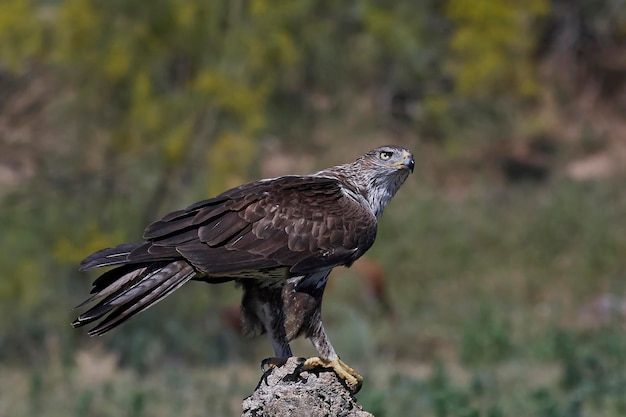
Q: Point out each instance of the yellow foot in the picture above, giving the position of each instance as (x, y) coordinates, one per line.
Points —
(343, 371)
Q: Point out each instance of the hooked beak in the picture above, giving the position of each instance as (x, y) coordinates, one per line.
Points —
(408, 161)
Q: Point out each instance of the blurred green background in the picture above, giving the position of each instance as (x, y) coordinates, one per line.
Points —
(497, 286)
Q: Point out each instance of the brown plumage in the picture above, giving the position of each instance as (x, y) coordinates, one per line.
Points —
(278, 238)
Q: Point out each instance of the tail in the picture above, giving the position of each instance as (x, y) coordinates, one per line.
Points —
(130, 288)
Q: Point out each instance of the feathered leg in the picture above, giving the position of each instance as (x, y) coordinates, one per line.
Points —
(306, 296)
(263, 312)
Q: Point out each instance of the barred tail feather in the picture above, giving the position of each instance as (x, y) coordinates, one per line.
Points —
(130, 289)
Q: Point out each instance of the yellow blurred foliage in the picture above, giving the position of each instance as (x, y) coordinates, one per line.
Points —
(21, 34)
(76, 31)
(67, 251)
(176, 141)
(229, 160)
(491, 48)
(243, 102)
(146, 109)
(119, 58)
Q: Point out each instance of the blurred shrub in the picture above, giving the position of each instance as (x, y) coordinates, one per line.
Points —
(492, 47)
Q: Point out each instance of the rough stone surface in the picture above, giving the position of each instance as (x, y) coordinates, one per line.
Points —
(288, 391)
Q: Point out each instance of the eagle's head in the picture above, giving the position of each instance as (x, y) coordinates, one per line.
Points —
(383, 171)
(390, 160)
(377, 175)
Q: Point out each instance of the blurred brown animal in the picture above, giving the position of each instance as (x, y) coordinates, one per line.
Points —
(372, 275)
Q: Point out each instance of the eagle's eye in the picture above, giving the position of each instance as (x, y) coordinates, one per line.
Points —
(385, 155)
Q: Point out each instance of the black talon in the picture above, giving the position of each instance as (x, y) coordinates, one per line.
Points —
(272, 363)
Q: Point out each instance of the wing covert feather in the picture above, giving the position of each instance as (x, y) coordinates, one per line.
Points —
(305, 223)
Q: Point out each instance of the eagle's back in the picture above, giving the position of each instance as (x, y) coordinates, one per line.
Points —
(303, 223)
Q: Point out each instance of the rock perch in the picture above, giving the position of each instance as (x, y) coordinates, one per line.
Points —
(289, 391)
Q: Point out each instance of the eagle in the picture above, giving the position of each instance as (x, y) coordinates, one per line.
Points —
(278, 239)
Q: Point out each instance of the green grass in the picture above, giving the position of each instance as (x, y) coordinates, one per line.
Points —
(93, 390)
(586, 378)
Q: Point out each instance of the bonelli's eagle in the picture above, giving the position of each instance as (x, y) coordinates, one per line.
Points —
(277, 238)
